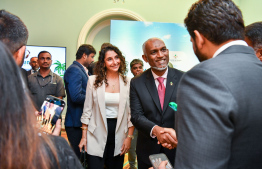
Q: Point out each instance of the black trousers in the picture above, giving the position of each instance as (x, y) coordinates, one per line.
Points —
(74, 135)
(108, 159)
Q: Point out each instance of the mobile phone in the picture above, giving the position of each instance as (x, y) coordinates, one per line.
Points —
(51, 111)
(156, 159)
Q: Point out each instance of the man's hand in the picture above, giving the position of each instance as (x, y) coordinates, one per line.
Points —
(171, 133)
(164, 137)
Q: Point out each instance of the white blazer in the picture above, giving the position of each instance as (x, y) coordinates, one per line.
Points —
(95, 117)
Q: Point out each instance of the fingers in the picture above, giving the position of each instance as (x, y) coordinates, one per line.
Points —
(169, 146)
(58, 128)
(171, 132)
(85, 146)
(162, 165)
(82, 143)
(171, 140)
(123, 149)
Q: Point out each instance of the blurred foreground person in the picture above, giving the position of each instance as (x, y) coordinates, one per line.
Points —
(107, 130)
(218, 121)
(22, 145)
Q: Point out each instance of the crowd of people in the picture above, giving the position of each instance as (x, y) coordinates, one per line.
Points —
(217, 123)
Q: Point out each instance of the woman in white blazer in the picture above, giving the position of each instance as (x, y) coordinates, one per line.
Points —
(107, 130)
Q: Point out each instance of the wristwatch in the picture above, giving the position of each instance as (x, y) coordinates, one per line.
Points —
(130, 136)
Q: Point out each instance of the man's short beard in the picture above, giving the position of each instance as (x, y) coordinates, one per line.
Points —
(160, 68)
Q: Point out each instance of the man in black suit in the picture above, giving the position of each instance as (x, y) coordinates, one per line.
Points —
(149, 98)
(34, 64)
(218, 122)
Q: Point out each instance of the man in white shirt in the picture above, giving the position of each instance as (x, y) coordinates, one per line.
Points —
(218, 122)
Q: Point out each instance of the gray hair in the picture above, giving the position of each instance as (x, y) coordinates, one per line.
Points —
(144, 44)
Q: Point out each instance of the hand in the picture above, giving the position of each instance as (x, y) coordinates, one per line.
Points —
(162, 165)
(171, 133)
(82, 143)
(163, 136)
(126, 146)
(57, 129)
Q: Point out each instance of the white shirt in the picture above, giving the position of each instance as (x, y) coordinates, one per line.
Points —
(164, 76)
(112, 104)
(224, 47)
(157, 83)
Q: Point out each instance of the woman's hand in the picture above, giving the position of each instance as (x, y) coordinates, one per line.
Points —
(82, 143)
(126, 145)
(162, 165)
(58, 127)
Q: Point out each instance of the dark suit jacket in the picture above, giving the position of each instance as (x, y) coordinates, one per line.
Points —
(219, 117)
(24, 76)
(28, 72)
(75, 79)
(146, 111)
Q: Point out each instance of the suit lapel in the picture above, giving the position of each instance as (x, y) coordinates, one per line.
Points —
(101, 102)
(151, 87)
(122, 101)
(171, 82)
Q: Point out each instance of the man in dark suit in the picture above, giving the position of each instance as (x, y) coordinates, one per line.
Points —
(34, 64)
(75, 78)
(150, 94)
(219, 116)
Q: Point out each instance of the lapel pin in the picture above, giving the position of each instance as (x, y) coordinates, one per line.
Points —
(171, 83)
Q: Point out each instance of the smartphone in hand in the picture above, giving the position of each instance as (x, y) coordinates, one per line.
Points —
(51, 111)
(156, 159)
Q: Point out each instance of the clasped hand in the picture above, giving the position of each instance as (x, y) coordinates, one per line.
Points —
(166, 137)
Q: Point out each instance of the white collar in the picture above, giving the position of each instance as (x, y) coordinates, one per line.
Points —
(224, 47)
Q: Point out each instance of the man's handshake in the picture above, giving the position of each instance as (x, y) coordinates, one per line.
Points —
(165, 136)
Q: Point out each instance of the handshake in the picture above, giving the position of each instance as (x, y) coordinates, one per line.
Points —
(165, 136)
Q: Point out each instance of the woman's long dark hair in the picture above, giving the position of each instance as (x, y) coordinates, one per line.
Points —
(20, 143)
(100, 69)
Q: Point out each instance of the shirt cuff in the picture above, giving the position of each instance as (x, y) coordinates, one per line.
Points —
(151, 132)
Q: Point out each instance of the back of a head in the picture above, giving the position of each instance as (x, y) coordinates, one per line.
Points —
(254, 33)
(19, 138)
(85, 48)
(218, 20)
(13, 32)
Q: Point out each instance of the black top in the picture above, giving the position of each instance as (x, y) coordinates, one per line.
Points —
(66, 156)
